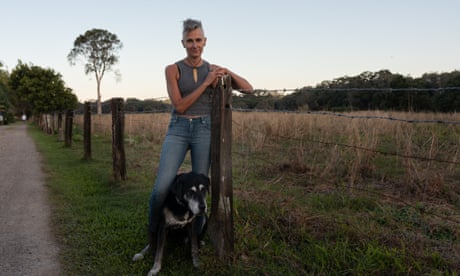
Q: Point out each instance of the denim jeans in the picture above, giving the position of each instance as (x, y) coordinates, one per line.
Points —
(183, 134)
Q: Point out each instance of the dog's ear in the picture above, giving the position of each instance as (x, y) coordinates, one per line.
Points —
(177, 185)
(206, 182)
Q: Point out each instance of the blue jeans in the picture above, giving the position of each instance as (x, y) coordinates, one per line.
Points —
(183, 134)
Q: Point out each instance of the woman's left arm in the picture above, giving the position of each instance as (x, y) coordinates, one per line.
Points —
(238, 83)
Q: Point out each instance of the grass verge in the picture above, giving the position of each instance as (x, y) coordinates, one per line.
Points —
(283, 225)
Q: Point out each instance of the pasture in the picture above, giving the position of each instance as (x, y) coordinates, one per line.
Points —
(366, 193)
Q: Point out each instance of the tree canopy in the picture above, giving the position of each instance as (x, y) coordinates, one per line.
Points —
(99, 50)
(40, 90)
(6, 108)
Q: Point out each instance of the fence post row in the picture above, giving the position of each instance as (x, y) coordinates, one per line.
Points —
(221, 219)
(118, 148)
(87, 131)
(60, 128)
(68, 128)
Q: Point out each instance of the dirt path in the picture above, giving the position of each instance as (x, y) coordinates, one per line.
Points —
(27, 246)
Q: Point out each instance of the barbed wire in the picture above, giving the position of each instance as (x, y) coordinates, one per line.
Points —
(317, 89)
(452, 218)
(380, 194)
(352, 89)
(396, 154)
(327, 113)
(323, 113)
(328, 143)
(350, 116)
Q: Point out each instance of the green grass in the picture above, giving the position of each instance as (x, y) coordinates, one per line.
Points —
(283, 224)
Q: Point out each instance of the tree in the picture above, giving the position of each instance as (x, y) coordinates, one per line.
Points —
(40, 90)
(99, 48)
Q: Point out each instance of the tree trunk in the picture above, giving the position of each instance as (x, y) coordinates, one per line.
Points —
(99, 104)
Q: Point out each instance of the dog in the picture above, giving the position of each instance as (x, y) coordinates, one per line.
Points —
(184, 208)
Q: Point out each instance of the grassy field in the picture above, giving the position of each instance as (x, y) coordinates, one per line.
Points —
(314, 194)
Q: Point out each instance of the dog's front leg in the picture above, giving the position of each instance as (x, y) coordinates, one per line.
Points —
(193, 238)
(160, 243)
(140, 255)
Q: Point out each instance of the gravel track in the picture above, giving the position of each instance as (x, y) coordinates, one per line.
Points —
(27, 245)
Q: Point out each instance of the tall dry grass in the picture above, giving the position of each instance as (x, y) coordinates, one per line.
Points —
(358, 151)
(331, 181)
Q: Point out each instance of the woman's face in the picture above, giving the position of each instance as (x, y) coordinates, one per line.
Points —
(194, 42)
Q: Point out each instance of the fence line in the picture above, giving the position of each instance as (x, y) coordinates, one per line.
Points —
(354, 187)
(286, 91)
(421, 158)
(331, 89)
(326, 113)
(409, 121)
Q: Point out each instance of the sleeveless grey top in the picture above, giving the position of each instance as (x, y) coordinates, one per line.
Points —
(187, 85)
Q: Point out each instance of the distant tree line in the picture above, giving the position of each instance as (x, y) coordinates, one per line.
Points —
(380, 90)
(30, 89)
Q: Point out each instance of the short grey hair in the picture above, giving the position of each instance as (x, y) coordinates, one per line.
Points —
(190, 25)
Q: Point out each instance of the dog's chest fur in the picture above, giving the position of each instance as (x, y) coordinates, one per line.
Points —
(175, 220)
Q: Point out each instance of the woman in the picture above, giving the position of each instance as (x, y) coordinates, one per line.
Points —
(189, 83)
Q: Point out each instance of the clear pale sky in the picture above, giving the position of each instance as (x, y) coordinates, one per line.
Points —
(274, 44)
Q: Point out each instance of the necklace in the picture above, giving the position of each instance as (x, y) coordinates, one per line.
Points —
(194, 70)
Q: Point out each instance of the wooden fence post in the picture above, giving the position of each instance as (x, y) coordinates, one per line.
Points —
(87, 131)
(221, 219)
(60, 129)
(68, 128)
(118, 148)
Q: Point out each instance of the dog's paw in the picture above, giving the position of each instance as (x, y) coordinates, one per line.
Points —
(138, 257)
(196, 262)
(154, 271)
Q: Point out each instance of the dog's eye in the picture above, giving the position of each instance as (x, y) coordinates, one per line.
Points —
(202, 187)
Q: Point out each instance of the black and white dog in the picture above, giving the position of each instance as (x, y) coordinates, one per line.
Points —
(184, 207)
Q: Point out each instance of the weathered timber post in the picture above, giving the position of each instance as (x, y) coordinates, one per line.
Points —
(87, 131)
(47, 123)
(51, 124)
(118, 147)
(68, 128)
(60, 129)
(221, 219)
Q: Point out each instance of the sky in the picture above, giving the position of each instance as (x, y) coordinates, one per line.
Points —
(274, 44)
